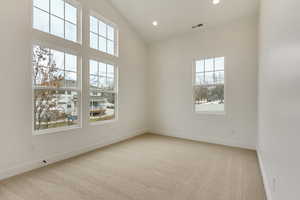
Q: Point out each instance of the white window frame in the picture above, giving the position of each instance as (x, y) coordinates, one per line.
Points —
(78, 24)
(116, 34)
(78, 89)
(50, 41)
(116, 91)
(213, 113)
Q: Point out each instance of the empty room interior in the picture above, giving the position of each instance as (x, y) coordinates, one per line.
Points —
(150, 100)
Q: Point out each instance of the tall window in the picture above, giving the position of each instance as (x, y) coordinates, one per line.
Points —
(56, 88)
(57, 17)
(209, 85)
(103, 91)
(103, 36)
(56, 75)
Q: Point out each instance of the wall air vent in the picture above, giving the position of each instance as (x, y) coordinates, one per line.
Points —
(198, 26)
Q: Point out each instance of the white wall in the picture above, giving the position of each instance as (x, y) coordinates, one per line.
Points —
(19, 149)
(170, 84)
(279, 97)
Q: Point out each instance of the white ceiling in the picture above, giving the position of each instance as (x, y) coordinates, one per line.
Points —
(178, 16)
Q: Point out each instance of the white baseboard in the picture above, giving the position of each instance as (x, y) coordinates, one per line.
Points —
(264, 175)
(31, 165)
(204, 139)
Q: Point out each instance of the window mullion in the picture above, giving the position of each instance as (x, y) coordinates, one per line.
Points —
(49, 16)
(98, 39)
(204, 73)
(106, 81)
(214, 70)
(65, 19)
(98, 76)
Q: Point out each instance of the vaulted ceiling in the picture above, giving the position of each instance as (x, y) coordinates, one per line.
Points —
(176, 17)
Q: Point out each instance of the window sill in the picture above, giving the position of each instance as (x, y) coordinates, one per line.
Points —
(55, 130)
(211, 113)
(102, 123)
(105, 54)
(39, 33)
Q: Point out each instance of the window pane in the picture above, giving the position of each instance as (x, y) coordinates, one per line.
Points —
(102, 28)
(40, 20)
(57, 8)
(46, 73)
(71, 13)
(71, 63)
(42, 4)
(209, 98)
(102, 106)
(110, 71)
(94, 67)
(57, 26)
(209, 78)
(71, 79)
(200, 66)
(219, 77)
(41, 76)
(102, 82)
(110, 33)
(110, 47)
(110, 77)
(219, 63)
(41, 56)
(57, 79)
(93, 81)
(38, 78)
(71, 32)
(58, 59)
(93, 24)
(110, 84)
(93, 41)
(102, 44)
(199, 78)
(63, 108)
(102, 69)
(209, 64)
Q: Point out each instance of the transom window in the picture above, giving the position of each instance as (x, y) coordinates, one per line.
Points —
(209, 85)
(57, 17)
(103, 91)
(56, 89)
(103, 36)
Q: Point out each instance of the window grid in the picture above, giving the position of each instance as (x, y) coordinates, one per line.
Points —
(64, 71)
(107, 77)
(106, 38)
(65, 21)
(63, 99)
(205, 72)
(108, 88)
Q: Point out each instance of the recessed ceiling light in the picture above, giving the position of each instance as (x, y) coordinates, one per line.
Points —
(215, 2)
(155, 23)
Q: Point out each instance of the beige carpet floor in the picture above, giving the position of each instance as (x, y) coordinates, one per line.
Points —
(148, 167)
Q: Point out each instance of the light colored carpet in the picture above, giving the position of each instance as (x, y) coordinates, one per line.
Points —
(148, 167)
